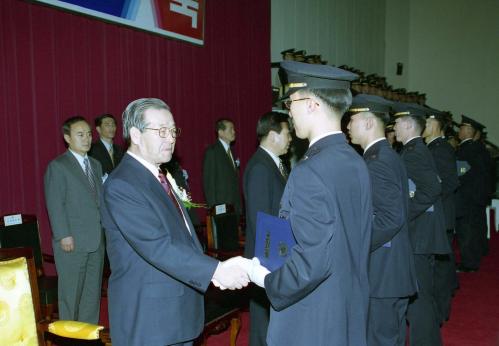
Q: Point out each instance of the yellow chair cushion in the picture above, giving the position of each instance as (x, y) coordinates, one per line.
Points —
(17, 314)
(75, 330)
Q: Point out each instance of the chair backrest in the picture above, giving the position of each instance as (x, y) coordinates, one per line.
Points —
(23, 235)
(19, 298)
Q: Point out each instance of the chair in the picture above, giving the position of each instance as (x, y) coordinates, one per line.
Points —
(27, 235)
(223, 236)
(20, 313)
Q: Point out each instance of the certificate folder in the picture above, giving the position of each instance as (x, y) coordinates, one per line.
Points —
(274, 240)
(462, 167)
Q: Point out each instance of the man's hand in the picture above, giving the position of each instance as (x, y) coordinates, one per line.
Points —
(232, 274)
(67, 244)
(258, 272)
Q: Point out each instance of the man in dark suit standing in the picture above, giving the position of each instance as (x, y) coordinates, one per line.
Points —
(392, 275)
(470, 198)
(320, 295)
(104, 150)
(220, 169)
(158, 269)
(73, 186)
(426, 223)
(445, 160)
(221, 184)
(264, 180)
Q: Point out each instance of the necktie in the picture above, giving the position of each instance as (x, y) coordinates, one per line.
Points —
(283, 170)
(89, 174)
(166, 186)
(111, 155)
(231, 158)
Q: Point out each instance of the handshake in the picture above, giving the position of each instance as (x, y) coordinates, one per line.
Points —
(237, 272)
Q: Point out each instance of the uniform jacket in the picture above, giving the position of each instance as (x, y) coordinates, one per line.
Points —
(426, 214)
(391, 268)
(470, 192)
(445, 160)
(158, 270)
(320, 295)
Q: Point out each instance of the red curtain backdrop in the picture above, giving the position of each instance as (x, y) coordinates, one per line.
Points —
(56, 64)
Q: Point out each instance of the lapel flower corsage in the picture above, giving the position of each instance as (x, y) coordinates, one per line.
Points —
(237, 162)
(182, 193)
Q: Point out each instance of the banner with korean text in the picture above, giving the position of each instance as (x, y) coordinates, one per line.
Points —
(179, 19)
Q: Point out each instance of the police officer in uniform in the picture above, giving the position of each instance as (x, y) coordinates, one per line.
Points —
(426, 222)
(470, 196)
(488, 186)
(320, 296)
(445, 160)
(392, 275)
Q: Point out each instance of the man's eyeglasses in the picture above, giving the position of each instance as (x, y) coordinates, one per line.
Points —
(288, 103)
(164, 131)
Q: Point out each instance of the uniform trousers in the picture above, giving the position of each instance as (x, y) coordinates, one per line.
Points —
(424, 329)
(468, 237)
(386, 325)
(445, 281)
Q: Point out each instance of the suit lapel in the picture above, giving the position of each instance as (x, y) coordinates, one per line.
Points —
(155, 188)
(74, 166)
(221, 148)
(269, 161)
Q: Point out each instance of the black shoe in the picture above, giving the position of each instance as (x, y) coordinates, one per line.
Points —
(463, 269)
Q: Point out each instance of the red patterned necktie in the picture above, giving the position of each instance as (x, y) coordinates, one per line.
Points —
(166, 186)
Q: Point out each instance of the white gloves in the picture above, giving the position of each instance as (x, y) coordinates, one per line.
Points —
(236, 272)
(258, 273)
(232, 274)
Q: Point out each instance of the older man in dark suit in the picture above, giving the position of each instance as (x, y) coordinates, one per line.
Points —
(264, 181)
(392, 275)
(320, 295)
(104, 149)
(158, 269)
(426, 222)
(73, 186)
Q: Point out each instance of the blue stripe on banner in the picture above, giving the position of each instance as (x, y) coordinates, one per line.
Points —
(119, 8)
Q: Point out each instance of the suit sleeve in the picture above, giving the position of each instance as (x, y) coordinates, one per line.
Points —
(387, 201)
(313, 225)
(428, 188)
(55, 184)
(139, 224)
(258, 182)
(209, 181)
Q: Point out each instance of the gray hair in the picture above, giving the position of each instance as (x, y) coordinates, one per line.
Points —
(133, 116)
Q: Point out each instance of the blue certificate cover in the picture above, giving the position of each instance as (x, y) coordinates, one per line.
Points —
(462, 167)
(274, 240)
